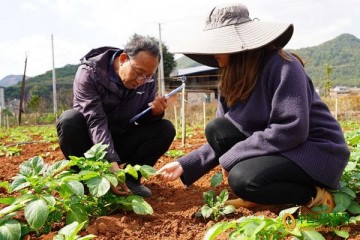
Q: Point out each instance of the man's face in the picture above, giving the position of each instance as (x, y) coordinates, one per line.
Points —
(138, 70)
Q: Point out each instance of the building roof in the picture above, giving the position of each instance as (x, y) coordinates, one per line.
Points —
(191, 70)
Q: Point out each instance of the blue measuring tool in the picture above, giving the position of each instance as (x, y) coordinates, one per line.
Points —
(137, 116)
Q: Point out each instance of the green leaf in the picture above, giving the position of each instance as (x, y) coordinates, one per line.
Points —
(35, 164)
(288, 210)
(7, 200)
(147, 171)
(7, 217)
(355, 219)
(36, 213)
(354, 208)
(10, 209)
(208, 197)
(343, 234)
(98, 186)
(19, 182)
(349, 191)
(261, 226)
(96, 152)
(11, 230)
(50, 200)
(223, 196)
(77, 213)
(76, 187)
(131, 171)
(342, 201)
(112, 179)
(228, 209)
(89, 236)
(86, 175)
(217, 229)
(69, 231)
(216, 179)
(250, 228)
(312, 235)
(57, 167)
(350, 166)
(121, 176)
(140, 206)
(206, 211)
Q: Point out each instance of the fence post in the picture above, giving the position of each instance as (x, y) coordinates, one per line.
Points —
(336, 108)
(175, 119)
(204, 110)
(183, 127)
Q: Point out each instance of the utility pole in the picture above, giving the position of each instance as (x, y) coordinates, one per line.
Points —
(161, 81)
(22, 94)
(54, 78)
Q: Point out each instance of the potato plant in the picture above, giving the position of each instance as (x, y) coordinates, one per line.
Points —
(50, 193)
(69, 232)
(214, 206)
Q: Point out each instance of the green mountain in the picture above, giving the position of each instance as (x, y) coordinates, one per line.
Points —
(10, 80)
(341, 55)
(41, 85)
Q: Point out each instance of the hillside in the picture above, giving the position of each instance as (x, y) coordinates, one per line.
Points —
(10, 80)
(41, 85)
(342, 54)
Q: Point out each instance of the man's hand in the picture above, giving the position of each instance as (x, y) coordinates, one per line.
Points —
(170, 171)
(158, 106)
(121, 189)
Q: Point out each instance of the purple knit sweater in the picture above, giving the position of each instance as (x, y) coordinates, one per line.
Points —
(284, 115)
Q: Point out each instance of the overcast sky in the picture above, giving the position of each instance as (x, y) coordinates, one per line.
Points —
(79, 25)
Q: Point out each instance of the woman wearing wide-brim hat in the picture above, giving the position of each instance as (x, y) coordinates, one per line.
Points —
(273, 136)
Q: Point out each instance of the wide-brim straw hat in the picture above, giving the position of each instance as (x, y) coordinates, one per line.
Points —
(229, 29)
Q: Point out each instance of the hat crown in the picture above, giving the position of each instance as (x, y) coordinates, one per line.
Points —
(226, 15)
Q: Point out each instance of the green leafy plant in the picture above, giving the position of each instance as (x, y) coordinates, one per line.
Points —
(69, 232)
(261, 227)
(215, 206)
(345, 197)
(49, 193)
(175, 153)
(9, 151)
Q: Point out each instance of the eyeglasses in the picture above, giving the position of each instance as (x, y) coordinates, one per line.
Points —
(141, 77)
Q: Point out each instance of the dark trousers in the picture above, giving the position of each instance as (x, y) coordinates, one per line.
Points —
(272, 179)
(140, 144)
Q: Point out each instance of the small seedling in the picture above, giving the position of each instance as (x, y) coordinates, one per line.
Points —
(214, 206)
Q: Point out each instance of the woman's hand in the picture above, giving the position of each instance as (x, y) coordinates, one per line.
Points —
(170, 171)
(158, 106)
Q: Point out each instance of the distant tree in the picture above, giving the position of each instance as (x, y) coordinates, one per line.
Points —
(328, 70)
(33, 103)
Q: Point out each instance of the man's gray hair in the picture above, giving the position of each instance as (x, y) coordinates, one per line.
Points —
(140, 43)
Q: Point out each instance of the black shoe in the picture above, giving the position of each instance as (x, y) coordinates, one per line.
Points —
(137, 188)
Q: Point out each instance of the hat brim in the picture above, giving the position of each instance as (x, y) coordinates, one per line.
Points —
(233, 39)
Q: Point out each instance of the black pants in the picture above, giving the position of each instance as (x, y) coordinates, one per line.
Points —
(272, 179)
(139, 144)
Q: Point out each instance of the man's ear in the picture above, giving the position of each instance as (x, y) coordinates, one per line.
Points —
(123, 57)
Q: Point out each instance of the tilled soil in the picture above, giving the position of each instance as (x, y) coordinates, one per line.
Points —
(174, 205)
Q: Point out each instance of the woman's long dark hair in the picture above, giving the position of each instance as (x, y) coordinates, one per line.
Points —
(238, 79)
